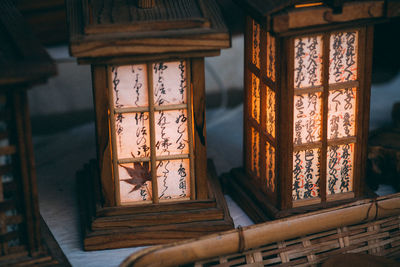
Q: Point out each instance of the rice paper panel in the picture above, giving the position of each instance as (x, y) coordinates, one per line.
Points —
(340, 160)
(171, 132)
(130, 86)
(169, 83)
(135, 182)
(255, 98)
(270, 167)
(270, 118)
(132, 135)
(173, 178)
(271, 57)
(306, 174)
(255, 152)
(308, 61)
(307, 118)
(342, 113)
(343, 65)
(256, 44)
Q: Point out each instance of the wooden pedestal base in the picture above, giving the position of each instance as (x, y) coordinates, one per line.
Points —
(129, 226)
(49, 255)
(256, 204)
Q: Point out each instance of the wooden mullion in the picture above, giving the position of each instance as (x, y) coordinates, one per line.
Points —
(306, 90)
(253, 123)
(130, 110)
(286, 106)
(153, 152)
(24, 173)
(132, 160)
(365, 52)
(113, 138)
(342, 141)
(247, 94)
(199, 126)
(324, 136)
(189, 105)
(263, 112)
(171, 107)
(262, 75)
(345, 85)
(307, 146)
(269, 138)
(172, 157)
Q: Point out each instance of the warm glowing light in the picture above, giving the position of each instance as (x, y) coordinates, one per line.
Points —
(308, 5)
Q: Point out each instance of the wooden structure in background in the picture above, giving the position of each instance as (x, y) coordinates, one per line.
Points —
(150, 183)
(306, 114)
(369, 226)
(24, 237)
(46, 19)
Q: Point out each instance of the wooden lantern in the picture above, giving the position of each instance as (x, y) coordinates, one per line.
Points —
(306, 111)
(150, 184)
(25, 239)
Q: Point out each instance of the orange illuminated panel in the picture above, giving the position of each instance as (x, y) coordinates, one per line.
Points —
(255, 97)
(255, 43)
(340, 168)
(255, 152)
(270, 166)
(173, 179)
(306, 174)
(129, 86)
(135, 182)
(132, 135)
(169, 83)
(308, 61)
(271, 57)
(341, 113)
(343, 55)
(307, 118)
(171, 132)
(270, 118)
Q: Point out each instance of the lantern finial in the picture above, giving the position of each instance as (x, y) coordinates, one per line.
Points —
(146, 3)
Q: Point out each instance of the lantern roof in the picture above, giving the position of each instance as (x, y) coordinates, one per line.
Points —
(284, 15)
(22, 58)
(106, 28)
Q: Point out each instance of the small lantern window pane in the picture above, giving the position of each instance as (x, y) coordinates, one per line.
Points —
(171, 132)
(135, 182)
(343, 56)
(169, 83)
(173, 178)
(130, 86)
(133, 135)
(256, 44)
(341, 113)
(340, 168)
(270, 118)
(255, 98)
(255, 152)
(306, 174)
(270, 166)
(308, 61)
(271, 57)
(307, 118)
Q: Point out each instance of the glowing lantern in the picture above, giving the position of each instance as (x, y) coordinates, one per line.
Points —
(147, 62)
(307, 83)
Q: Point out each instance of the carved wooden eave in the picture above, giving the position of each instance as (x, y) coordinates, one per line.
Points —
(105, 28)
(283, 17)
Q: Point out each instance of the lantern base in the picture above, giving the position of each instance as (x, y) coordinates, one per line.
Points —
(50, 253)
(256, 204)
(131, 226)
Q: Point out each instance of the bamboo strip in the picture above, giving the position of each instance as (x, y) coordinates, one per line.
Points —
(274, 231)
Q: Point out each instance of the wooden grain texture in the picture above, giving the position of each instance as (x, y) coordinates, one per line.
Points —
(146, 3)
(304, 239)
(199, 126)
(131, 43)
(22, 59)
(107, 16)
(152, 225)
(101, 106)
